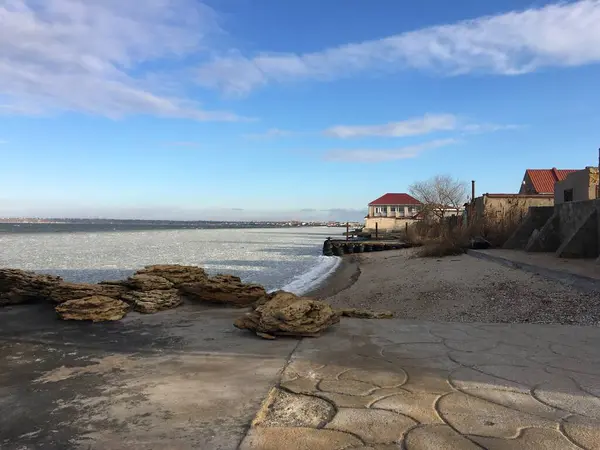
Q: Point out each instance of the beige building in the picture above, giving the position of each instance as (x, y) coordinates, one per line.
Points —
(392, 212)
(577, 186)
(508, 206)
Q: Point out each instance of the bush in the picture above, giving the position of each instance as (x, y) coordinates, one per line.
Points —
(449, 237)
(452, 242)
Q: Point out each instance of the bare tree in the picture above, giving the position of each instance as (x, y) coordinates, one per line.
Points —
(440, 194)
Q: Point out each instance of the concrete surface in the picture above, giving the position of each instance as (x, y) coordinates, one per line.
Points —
(182, 379)
(186, 379)
(393, 384)
(581, 273)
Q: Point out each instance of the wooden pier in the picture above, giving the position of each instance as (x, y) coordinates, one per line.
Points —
(338, 247)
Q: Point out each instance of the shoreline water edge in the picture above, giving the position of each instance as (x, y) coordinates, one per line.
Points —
(345, 274)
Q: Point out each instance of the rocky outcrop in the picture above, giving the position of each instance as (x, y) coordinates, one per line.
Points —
(150, 302)
(96, 309)
(19, 286)
(364, 313)
(289, 315)
(224, 290)
(175, 273)
(66, 291)
(143, 283)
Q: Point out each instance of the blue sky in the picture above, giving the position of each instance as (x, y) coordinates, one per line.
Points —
(290, 109)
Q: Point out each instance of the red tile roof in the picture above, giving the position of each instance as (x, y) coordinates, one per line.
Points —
(395, 199)
(543, 180)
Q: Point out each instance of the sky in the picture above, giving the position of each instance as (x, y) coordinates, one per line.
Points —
(270, 109)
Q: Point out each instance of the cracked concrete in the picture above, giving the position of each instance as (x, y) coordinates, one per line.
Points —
(188, 380)
(417, 385)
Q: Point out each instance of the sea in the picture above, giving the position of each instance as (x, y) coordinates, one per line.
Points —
(277, 258)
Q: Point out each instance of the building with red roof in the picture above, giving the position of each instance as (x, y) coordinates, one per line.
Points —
(392, 211)
(542, 181)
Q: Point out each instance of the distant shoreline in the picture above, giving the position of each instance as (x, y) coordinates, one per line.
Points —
(25, 228)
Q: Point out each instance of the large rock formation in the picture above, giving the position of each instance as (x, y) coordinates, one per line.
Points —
(18, 286)
(150, 302)
(150, 292)
(175, 273)
(66, 291)
(96, 309)
(144, 282)
(225, 290)
(289, 315)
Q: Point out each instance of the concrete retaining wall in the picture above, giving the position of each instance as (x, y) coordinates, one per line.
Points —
(534, 220)
(572, 231)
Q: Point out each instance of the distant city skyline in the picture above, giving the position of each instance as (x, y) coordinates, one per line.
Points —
(285, 110)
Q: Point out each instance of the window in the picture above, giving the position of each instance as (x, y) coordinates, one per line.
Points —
(568, 195)
(393, 209)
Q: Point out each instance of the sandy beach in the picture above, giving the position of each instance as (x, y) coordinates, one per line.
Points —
(455, 289)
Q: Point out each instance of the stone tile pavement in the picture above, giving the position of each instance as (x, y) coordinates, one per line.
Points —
(394, 384)
(186, 379)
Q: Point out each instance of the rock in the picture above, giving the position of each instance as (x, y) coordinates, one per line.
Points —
(66, 291)
(19, 286)
(143, 282)
(479, 243)
(288, 314)
(150, 302)
(364, 313)
(224, 289)
(268, 298)
(96, 308)
(175, 273)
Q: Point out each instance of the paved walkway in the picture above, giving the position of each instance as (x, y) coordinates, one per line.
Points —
(392, 384)
(186, 379)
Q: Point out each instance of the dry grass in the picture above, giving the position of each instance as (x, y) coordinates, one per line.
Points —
(452, 242)
(448, 238)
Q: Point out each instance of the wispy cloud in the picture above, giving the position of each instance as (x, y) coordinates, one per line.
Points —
(411, 127)
(558, 35)
(376, 155)
(270, 133)
(78, 55)
(479, 128)
(416, 126)
(2, 142)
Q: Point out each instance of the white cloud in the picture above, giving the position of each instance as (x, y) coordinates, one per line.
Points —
(478, 128)
(411, 127)
(375, 155)
(559, 35)
(270, 133)
(429, 123)
(89, 56)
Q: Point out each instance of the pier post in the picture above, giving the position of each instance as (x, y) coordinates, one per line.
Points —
(376, 230)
